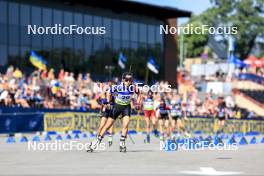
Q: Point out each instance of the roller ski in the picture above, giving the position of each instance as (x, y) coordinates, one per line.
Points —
(110, 140)
(122, 146)
(161, 138)
(93, 146)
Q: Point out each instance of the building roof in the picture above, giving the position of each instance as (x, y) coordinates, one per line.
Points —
(120, 6)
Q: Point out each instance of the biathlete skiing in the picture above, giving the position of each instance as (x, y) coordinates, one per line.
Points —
(149, 114)
(164, 116)
(178, 116)
(124, 92)
(106, 112)
(221, 110)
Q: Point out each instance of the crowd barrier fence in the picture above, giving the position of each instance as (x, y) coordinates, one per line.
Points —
(89, 121)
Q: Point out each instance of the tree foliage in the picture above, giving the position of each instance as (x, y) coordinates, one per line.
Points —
(246, 15)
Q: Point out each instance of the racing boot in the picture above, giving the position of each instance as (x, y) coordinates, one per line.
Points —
(93, 146)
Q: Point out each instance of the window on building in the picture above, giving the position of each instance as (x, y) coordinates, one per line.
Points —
(68, 20)
(13, 16)
(3, 55)
(13, 13)
(125, 30)
(3, 21)
(78, 39)
(116, 29)
(24, 22)
(47, 21)
(25, 15)
(134, 31)
(108, 27)
(36, 20)
(151, 34)
(88, 39)
(3, 12)
(57, 39)
(159, 37)
(98, 39)
(143, 33)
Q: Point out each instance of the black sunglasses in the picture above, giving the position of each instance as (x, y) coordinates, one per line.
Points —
(128, 80)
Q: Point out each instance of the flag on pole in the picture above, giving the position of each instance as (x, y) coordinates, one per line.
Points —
(152, 65)
(237, 62)
(231, 44)
(122, 61)
(37, 61)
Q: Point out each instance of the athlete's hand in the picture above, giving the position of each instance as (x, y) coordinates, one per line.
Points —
(108, 106)
(137, 107)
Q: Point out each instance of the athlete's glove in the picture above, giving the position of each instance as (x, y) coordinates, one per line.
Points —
(137, 106)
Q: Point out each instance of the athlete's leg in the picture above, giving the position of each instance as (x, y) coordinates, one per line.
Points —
(107, 126)
(173, 122)
(180, 126)
(183, 129)
(125, 123)
(147, 120)
(147, 125)
(161, 129)
(100, 136)
(167, 126)
(154, 123)
(221, 125)
(110, 136)
(102, 123)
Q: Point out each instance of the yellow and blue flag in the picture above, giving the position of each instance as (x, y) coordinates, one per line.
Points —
(37, 61)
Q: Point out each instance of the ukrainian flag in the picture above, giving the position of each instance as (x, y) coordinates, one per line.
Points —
(37, 61)
(55, 86)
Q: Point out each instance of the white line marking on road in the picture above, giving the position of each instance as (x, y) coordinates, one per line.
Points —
(210, 171)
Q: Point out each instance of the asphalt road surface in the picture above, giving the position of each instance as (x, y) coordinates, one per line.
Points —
(140, 159)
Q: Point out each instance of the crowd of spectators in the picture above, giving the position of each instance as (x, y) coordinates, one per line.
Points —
(45, 89)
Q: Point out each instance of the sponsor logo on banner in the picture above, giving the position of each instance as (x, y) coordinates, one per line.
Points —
(66, 121)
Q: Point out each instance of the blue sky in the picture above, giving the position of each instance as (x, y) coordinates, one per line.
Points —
(195, 6)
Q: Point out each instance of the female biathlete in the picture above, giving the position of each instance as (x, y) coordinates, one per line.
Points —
(177, 116)
(164, 116)
(149, 114)
(221, 114)
(106, 112)
(124, 92)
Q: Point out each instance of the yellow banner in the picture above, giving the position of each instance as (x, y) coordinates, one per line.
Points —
(90, 121)
(69, 121)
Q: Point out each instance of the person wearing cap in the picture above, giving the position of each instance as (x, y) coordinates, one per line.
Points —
(124, 92)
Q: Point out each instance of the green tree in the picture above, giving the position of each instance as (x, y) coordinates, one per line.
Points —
(246, 15)
(195, 43)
